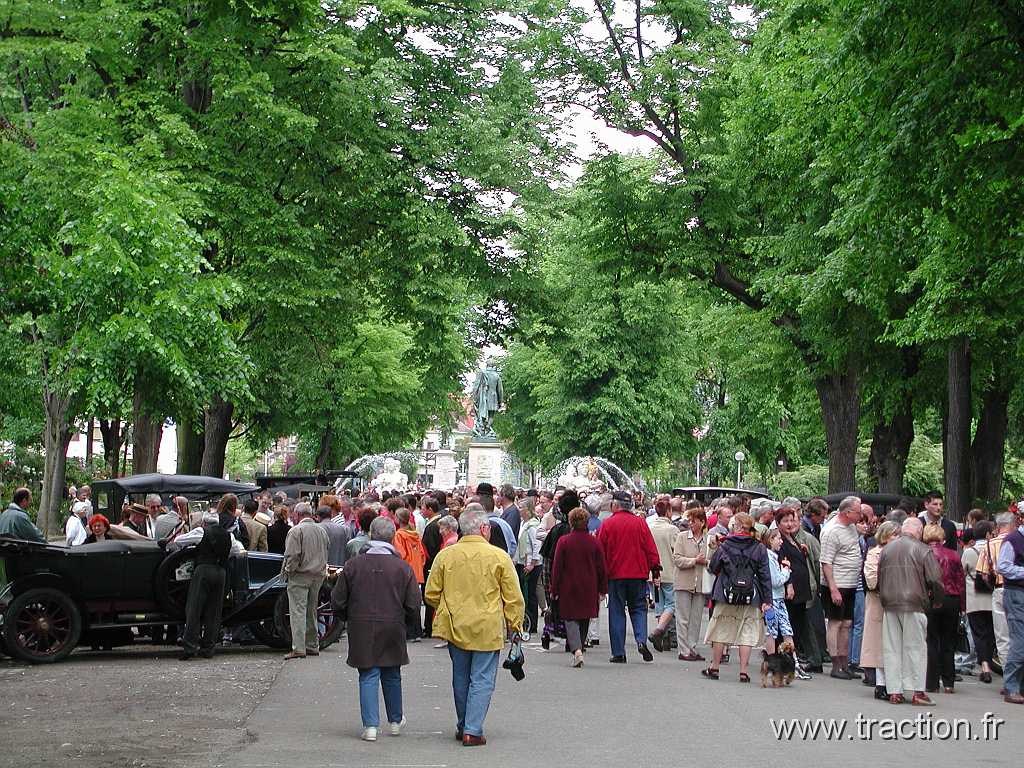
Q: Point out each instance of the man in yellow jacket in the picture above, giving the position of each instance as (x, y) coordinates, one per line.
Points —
(475, 592)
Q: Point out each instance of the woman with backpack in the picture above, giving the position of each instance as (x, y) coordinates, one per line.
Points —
(979, 597)
(742, 593)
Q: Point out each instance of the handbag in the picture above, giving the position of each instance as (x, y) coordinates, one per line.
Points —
(963, 642)
(986, 582)
(516, 658)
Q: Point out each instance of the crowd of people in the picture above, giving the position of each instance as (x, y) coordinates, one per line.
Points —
(907, 602)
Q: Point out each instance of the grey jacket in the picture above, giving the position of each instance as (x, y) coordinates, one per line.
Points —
(305, 551)
(15, 523)
(909, 578)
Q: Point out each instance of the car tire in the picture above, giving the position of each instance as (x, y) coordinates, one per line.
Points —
(266, 633)
(329, 626)
(171, 594)
(42, 626)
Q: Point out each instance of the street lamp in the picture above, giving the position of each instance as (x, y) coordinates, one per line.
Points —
(740, 458)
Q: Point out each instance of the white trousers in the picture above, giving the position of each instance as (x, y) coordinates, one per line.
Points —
(1002, 629)
(904, 651)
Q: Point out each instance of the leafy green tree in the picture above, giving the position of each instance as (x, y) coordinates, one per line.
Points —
(101, 270)
(606, 371)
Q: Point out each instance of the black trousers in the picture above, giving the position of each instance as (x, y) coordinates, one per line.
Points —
(203, 608)
(428, 610)
(804, 637)
(816, 618)
(943, 625)
(984, 634)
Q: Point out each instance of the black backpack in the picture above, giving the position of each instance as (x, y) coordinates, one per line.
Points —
(739, 580)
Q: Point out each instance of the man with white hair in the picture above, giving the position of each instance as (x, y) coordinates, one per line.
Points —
(475, 593)
(378, 596)
(154, 508)
(1005, 523)
(304, 568)
(1010, 566)
(909, 584)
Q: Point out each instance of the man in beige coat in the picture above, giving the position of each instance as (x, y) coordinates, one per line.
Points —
(664, 532)
(304, 568)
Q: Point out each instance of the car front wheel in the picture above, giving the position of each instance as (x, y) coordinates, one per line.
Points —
(42, 625)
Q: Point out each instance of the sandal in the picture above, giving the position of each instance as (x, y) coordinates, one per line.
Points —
(744, 677)
(709, 673)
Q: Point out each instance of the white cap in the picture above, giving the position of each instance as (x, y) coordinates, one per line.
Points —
(81, 508)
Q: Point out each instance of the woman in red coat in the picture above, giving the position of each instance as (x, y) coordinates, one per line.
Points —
(578, 581)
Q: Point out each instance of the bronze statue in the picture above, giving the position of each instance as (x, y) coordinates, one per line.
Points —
(488, 397)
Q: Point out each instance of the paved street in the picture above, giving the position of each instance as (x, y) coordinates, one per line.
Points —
(248, 709)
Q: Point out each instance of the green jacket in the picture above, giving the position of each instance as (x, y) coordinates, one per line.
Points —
(813, 556)
(15, 523)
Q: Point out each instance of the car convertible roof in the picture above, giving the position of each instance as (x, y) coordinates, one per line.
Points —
(190, 486)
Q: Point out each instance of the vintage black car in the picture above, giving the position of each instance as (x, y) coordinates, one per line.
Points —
(107, 495)
(55, 598)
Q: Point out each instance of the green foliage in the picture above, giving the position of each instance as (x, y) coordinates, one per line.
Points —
(606, 371)
(808, 480)
(241, 461)
(924, 467)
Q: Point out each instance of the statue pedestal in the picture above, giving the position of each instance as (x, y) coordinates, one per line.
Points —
(485, 460)
(445, 469)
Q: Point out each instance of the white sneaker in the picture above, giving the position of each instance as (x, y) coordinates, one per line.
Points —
(396, 728)
(369, 734)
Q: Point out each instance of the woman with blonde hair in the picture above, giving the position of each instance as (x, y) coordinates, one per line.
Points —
(871, 642)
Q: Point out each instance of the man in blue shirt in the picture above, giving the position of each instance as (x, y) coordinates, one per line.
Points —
(511, 545)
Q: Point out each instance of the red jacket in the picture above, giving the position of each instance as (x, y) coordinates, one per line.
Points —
(628, 547)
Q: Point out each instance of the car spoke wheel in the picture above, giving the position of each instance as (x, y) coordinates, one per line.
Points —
(328, 626)
(42, 625)
(172, 592)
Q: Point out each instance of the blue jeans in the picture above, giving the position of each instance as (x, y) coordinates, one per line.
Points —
(623, 595)
(666, 600)
(390, 681)
(1013, 667)
(857, 630)
(473, 676)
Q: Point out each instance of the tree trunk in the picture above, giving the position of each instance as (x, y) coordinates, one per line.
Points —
(56, 438)
(147, 430)
(890, 447)
(957, 445)
(110, 429)
(323, 455)
(217, 432)
(839, 395)
(90, 429)
(190, 447)
(989, 447)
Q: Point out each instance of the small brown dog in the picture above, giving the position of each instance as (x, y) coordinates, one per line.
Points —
(780, 665)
